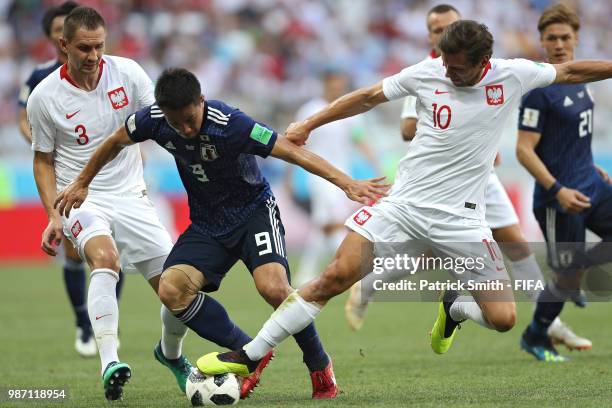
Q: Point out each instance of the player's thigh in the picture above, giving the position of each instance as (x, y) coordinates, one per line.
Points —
(92, 220)
(565, 236)
(139, 234)
(599, 218)
(469, 243)
(205, 254)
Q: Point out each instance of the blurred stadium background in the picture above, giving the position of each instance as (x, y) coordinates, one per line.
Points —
(265, 56)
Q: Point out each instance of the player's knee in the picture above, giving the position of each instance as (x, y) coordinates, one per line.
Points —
(104, 258)
(275, 292)
(176, 289)
(504, 319)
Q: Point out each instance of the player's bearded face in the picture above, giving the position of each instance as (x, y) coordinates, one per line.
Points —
(187, 121)
(85, 50)
(460, 71)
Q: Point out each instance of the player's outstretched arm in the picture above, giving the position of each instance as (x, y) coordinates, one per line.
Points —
(351, 104)
(363, 191)
(74, 194)
(579, 72)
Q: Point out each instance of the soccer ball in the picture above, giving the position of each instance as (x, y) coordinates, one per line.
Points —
(221, 389)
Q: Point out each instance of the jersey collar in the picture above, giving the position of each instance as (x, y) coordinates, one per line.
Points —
(64, 73)
(433, 54)
(484, 71)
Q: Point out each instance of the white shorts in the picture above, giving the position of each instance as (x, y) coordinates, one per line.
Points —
(388, 224)
(499, 211)
(131, 220)
(329, 204)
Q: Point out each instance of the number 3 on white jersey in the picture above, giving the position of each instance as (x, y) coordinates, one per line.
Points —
(199, 171)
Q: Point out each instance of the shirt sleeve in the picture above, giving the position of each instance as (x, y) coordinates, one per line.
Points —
(249, 136)
(531, 74)
(403, 83)
(533, 111)
(143, 85)
(139, 125)
(42, 126)
(409, 108)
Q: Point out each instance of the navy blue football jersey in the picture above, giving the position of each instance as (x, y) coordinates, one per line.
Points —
(218, 168)
(39, 73)
(563, 115)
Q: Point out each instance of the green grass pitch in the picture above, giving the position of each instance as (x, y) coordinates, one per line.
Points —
(387, 364)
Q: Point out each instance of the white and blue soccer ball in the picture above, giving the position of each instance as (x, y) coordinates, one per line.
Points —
(221, 389)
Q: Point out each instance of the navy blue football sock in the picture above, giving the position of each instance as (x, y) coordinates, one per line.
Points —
(308, 340)
(549, 306)
(119, 286)
(74, 280)
(210, 320)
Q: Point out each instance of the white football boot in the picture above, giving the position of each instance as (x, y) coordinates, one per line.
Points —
(560, 333)
(354, 310)
(85, 348)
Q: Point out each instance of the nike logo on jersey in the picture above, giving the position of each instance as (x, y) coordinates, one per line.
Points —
(438, 92)
(99, 317)
(71, 115)
(567, 102)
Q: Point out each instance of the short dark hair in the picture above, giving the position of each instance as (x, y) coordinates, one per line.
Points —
(558, 14)
(467, 36)
(56, 11)
(177, 88)
(82, 17)
(441, 9)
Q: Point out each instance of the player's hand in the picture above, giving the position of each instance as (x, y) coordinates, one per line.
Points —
(573, 201)
(52, 236)
(297, 133)
(367, 192)
(604, 174)
(71, 197)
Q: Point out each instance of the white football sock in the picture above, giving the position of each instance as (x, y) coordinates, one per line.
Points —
(173, 333)
(465, 307)
(104, 313)
(528, 269)
(292, 316)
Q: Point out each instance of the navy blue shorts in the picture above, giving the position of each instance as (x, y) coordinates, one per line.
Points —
(566, 233)
(259, 241)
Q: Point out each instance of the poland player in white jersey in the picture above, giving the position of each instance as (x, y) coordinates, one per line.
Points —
(438, 196)
(330, 206)
(71, 112)
(499, 213)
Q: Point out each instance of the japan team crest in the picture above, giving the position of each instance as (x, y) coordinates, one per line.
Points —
(495, 94)
(362, 217)
(118, 98)
(208, 152)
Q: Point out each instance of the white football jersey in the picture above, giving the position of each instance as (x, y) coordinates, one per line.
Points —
(72, 123)
(458, 131)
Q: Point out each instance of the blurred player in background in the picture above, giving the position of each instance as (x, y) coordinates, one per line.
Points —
(72, 111)
(74, 270)
(499, 212)
(571, 193)
(439, 194)
(232, 208)
(329, 205)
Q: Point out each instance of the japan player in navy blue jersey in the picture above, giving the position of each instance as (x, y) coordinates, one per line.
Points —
(233, 212)
(571, 193)
(73, 269)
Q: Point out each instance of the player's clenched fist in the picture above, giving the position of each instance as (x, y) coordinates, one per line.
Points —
(71, 197)
(297, 133)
